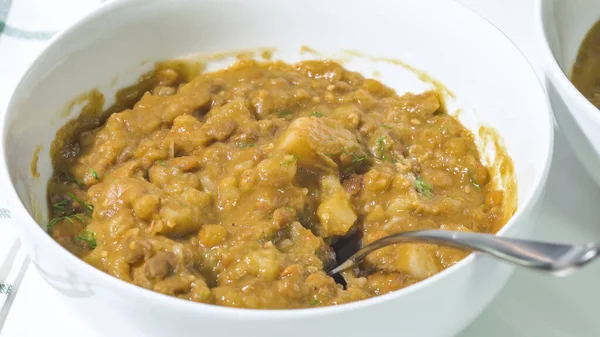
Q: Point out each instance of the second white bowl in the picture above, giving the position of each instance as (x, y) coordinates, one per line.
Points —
(562, 25)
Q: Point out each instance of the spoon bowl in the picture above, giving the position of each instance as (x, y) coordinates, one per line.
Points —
(554, 258)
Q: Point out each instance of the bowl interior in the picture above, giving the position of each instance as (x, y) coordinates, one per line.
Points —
(565, 24)
(492, 82)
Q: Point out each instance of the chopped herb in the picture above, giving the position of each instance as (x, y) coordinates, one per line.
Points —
(289, 161)
(476, 185)
(331, 138)
(423, 188)
(87, 207)
(285, 113)
(380, 147)
(357, 159)
(314, 302)
(50, 225)
(94, 173)
(61, 204)
(243, 145)
(54, 221)
(316, 114)
(387, 126)
(88, 237)
(71, 179)
(162, 163)
(78, 217)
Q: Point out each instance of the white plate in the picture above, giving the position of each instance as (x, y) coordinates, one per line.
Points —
(530, 305)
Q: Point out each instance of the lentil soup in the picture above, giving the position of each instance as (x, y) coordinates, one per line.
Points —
(585, 74)
(232, 187)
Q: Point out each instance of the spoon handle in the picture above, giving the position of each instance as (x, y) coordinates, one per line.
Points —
(559, 259)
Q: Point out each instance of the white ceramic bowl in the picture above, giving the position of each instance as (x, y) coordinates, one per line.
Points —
(562, 25)
(477, 62)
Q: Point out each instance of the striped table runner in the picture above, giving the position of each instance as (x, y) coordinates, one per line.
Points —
(25, 27)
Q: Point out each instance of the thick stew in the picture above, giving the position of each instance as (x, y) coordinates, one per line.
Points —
(233, 187)
(586, 70)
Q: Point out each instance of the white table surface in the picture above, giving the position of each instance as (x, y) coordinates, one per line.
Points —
(531, 304)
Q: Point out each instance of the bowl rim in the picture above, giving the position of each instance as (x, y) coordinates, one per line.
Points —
(118, 286)
(554, 68)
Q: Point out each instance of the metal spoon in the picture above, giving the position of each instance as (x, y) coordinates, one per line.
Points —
(554, 258)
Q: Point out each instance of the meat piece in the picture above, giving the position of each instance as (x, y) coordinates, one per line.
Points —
(135, 247)
(318, 141)
(222, 122)
(160, 265)
(353, 184)
(283, 216)
(175, 284)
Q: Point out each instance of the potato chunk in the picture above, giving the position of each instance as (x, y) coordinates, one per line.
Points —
(224, 121)
(410, 259)
(317, 141)
(335, 213)
(264, 263)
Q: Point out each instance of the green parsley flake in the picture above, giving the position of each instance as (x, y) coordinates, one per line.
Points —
(357, 159)
(316, 114)
(314, 302)
(94, 173)
(285, 113)
(53, 222)
(289, 161)
(162, 163)
(61, 204)
(387, 126)
(423, 188)
(71, 179)
(88, 237)
(381, 147)
(243, 145)
(86, 206)
(476, 185)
